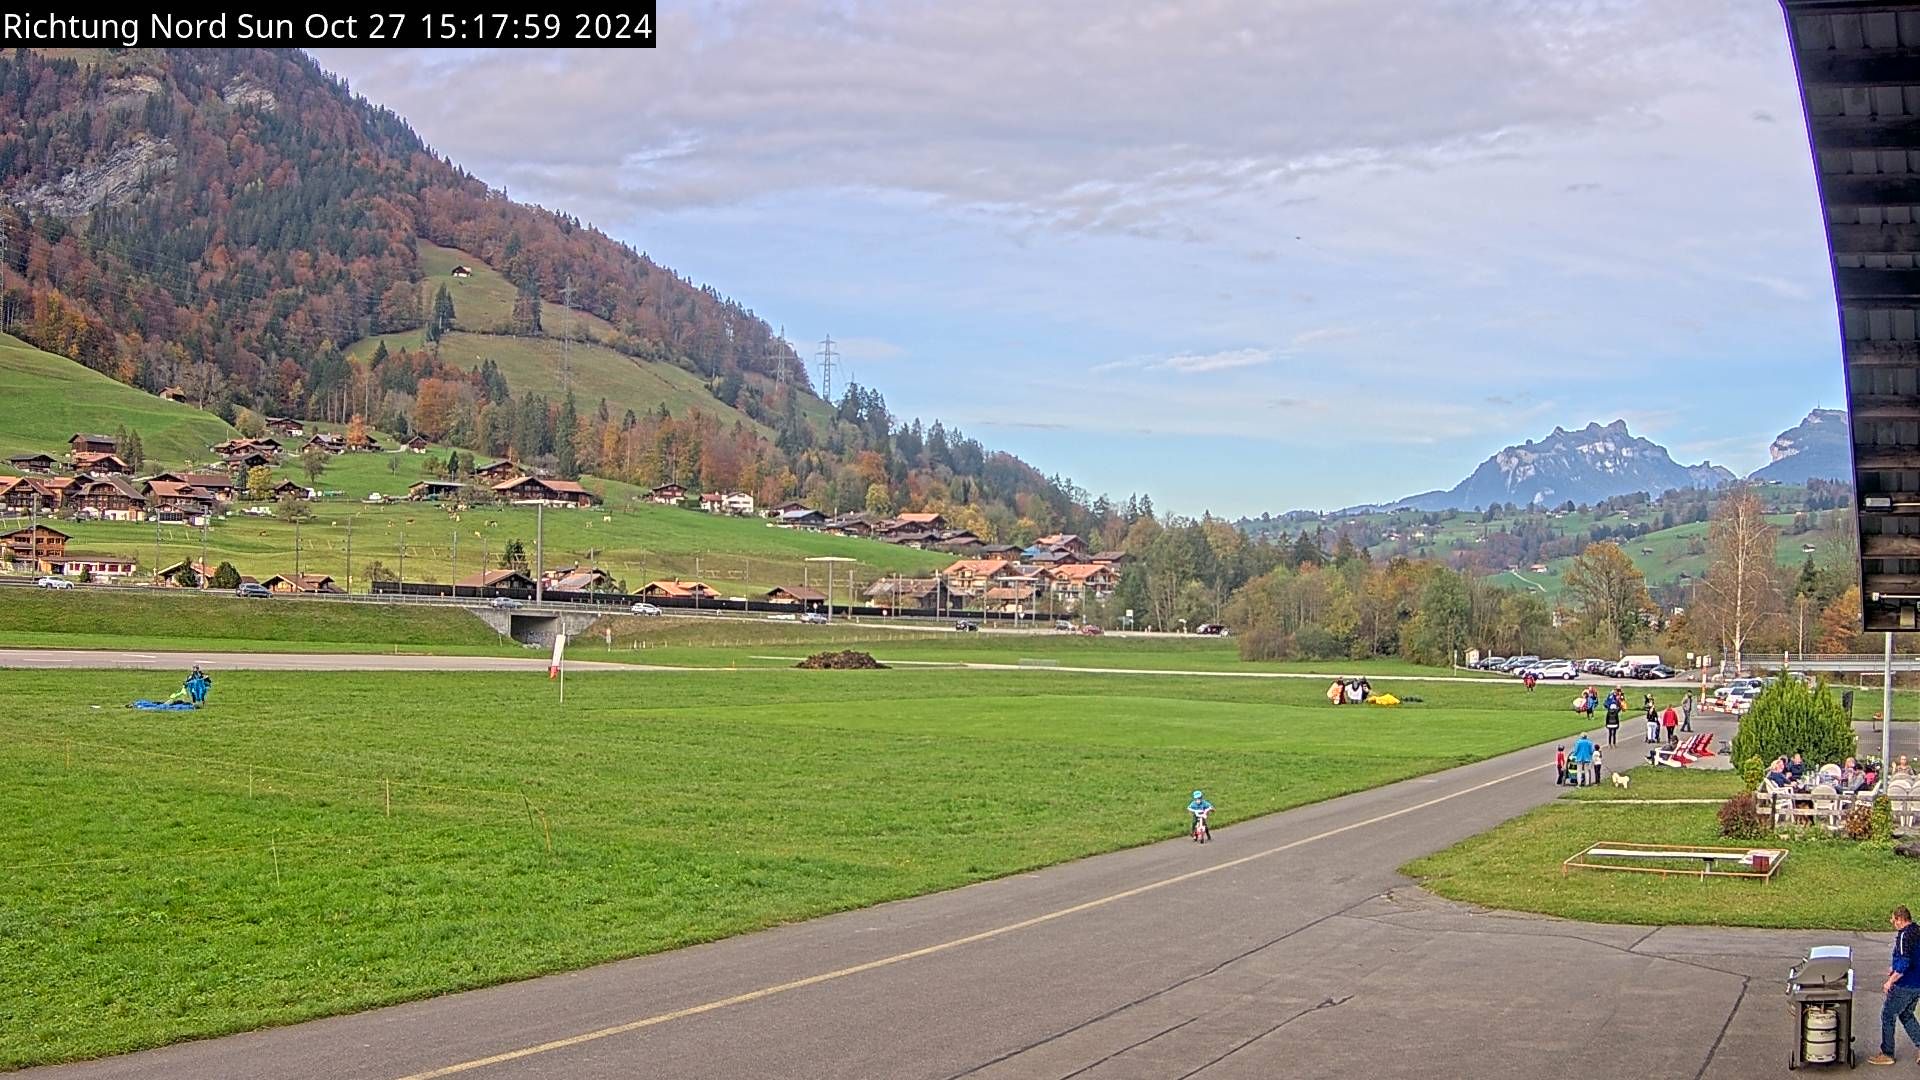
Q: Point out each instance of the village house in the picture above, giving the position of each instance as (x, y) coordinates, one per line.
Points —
(790, 504)
(738, 503)
(1081, 581)
(1067, 542)
(83, 443)
(218, 485)
(971, 577)
(291, 487)
(327, 441)
(860, 524)
(173, 500)
(235, 447)
(174, 393)
(529, 490)
(435, 490)
(462, 271)
(580, 579)
(252, 459)
(504, 469)
(88, 564)
(101, 464)
(416, 445)
(1115, 559)
(24, 548)
(25, 494)
(1016, 600)
(678, 590)
(914, 595)
(997, 551)
(801, 519)
(55, 490)
(800, 595)
(202, 573)
(491, 580)
(302, 583)
(667, 495)
(33, 463)
(286, 425)
(107, 498)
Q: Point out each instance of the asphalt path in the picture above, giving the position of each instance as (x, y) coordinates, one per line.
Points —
(108, 658)
(1288, 947)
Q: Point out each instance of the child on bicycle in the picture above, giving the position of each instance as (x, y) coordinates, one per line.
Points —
(1199, 808)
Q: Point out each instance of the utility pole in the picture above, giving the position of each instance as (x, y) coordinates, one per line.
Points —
(1886, 709)
(539, 552)
(826, 355)
(349, 556)
(566, 336)
(296, 555)
(779, 355)
(453, 564)
(402, 583)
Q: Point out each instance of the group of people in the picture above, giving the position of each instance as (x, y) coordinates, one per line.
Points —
(1673, 720)
(1350, 691)
(1849, 776)
(1581, 766)
(194, 690)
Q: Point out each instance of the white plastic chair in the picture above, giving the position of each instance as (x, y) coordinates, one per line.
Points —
(1900, 792)
(1826, 806)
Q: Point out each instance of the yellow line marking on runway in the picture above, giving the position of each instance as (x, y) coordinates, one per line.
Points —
(888, 961)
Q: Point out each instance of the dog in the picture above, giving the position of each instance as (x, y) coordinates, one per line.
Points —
(1621, 780)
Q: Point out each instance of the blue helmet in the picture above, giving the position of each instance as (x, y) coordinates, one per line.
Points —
(1197, 795)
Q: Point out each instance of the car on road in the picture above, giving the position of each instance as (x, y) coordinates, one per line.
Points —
(783, 616)
(815, 617)
(1211, 628)
(966, 624)
(644, 608)
(1090, 630)
(53, 583)
(505, 603)
(1557, 669)
(1064, 625)
(253, 590)
(1747, 687)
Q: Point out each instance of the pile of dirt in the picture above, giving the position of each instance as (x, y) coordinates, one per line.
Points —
(849, 660)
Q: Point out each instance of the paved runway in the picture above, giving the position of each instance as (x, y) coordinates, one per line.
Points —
(1289, 947)
(107, 658)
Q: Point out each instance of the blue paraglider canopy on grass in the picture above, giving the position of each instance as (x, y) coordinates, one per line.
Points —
(163, 706)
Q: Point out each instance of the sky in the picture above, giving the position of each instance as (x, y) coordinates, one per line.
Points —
(1244, 257)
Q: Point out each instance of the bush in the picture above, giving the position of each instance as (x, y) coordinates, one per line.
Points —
(1740, 818)
(1753, 770)
(1788, 718)
(1857, 823)
(225, 576)
(1313, 642)
(1266, 643)
(1881, 829)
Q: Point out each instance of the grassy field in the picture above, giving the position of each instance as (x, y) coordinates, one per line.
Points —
(178, 875)
(45, 398)
(483, 303)
(174, 621)
(1825, 882)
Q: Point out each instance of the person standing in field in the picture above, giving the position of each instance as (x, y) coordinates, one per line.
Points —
(1686, 712)
(1671, 721)
(1613, 717)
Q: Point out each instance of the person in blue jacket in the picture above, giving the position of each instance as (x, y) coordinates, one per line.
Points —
(197, 685)
(1902, 986)
(1199, 808)
(1583, 749)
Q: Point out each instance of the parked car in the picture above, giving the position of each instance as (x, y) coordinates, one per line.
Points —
(644, 608)
(1518, 664)
(783, 616)
(1557, 669)
(253, 590)
(53, 583)
(1747, 687)
(505, 603)
(1213, 628)
(1063, 624)
(1489, 663)
(966, 624)
(813, 617)
(1594, 666)
(1661, 671)
(1091, 630)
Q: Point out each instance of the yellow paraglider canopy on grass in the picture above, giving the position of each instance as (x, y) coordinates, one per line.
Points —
(1384, 699)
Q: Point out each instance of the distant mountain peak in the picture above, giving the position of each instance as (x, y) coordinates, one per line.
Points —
(1814, 449)
(1586, 465)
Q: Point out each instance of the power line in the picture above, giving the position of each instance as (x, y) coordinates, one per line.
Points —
(826, 355)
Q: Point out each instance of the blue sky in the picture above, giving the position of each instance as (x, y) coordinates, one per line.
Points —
(1242, 257)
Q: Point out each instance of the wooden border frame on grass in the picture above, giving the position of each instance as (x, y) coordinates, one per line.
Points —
(1577, 861)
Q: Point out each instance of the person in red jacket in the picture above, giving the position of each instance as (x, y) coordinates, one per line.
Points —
(1671, 721)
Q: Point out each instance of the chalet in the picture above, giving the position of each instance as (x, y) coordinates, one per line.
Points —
(667, 494)
(100, 463)
(202, 573)
(1080, 581)
(801, 519)
(218, 485)
(435, 490)
(174, 393)
(26, 494)
(268, 446)
(913, 538)
(967, 547)
(910, 594)
(496, 579)
(25, 547)
(790, 504)
(998, 551)
(364, 444)
(107, 498)
(849, 524)
(678, 590)
(56, 490)
(530, 490)
(1044, 557)
(799, 595)
(1067, 542)
(462, 271)
(80, 563)
(286, 425)
(83, 443)
(712, 502)
(928, 522)
(498, 471)
(1115, 559)
(1009, 599)
(416, 445)
(291, 487)
(325, 440)
(33, 463)
(171, 499)
(970, 577)
(738, 503)
(302, 583)
(252, 459)
(581, 579)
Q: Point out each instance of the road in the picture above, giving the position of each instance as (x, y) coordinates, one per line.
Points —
(1289, 947)
(108, 658)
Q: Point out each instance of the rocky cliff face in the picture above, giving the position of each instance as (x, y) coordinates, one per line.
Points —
(1815, 449)
(1585, 466)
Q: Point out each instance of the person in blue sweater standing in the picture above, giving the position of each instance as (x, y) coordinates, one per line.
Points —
(1902, 986)
(1583, 749)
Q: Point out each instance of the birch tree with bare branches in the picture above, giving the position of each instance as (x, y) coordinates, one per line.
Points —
(1742, 585)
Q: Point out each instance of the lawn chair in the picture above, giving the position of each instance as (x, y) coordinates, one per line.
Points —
(1705, 749)
(1682, 755)
(1901, 793)
(1780, 799)
(1826, 806)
